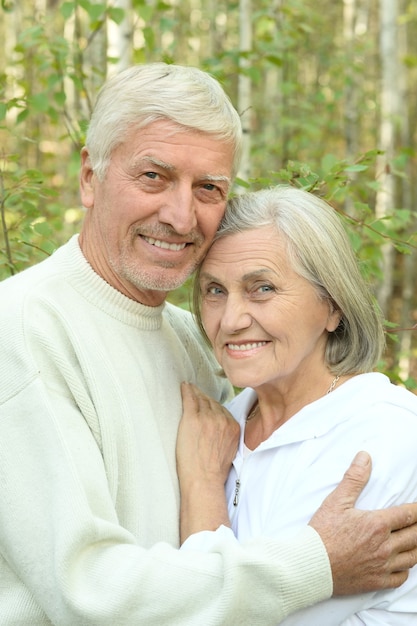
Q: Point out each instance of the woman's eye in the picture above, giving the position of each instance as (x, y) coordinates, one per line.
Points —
(211, 290)
(214, 291)
(265, 288)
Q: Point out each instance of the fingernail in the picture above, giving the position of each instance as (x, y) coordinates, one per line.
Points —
(362, 458)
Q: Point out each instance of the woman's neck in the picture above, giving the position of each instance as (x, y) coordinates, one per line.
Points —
(275, 406)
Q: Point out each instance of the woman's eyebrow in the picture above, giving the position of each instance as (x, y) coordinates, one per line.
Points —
(207, 276)
(257, 273)
(250, 275)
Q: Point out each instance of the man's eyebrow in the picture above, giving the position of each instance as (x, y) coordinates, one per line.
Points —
(218, 178)
(215, 178)
(153, 161)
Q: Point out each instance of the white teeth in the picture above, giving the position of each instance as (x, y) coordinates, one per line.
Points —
(246, 346)
(165, 244)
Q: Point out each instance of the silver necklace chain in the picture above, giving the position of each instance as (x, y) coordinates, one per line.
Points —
(333, 384)
(255, 410)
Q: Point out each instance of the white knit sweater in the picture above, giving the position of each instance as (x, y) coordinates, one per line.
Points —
(89, 408)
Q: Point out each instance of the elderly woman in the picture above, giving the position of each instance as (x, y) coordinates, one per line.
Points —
(282, 301)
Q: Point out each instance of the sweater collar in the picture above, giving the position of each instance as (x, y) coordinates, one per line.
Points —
(100, 294)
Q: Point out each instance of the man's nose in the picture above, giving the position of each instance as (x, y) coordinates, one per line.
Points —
(179, 210)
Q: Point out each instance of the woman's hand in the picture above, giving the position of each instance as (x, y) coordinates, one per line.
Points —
(207, 442)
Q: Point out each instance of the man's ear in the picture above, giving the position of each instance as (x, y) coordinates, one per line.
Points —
(86, 180)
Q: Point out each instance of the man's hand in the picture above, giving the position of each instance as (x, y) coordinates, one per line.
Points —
(368, 550)
(207, 442)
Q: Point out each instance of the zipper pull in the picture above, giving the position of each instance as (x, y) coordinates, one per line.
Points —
(237, 489)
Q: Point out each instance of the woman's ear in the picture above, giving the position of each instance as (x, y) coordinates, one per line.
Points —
(333, 321)
(86, 180)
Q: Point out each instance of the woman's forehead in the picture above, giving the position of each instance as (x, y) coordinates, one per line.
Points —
(253, 251)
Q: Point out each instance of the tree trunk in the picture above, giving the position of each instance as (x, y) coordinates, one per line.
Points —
(120, 37)
(408, 291)
(95, 56)
(389, 109)
(351, 90)
(244, 85)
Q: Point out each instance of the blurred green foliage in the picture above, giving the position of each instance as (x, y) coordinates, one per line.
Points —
(50, 81)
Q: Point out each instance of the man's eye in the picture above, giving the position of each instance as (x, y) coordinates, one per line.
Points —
(152, 175)
(210, 192)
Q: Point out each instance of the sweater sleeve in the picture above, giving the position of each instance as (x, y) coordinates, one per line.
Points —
(302, 560)
(64, 552)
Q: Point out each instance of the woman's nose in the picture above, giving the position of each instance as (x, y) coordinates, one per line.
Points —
(235, 315)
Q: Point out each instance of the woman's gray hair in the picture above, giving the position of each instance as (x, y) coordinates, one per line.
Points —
(319, 250)
(143, 94)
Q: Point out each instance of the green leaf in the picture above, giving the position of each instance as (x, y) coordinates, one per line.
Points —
(241, 183)
(67, 9)
(357, 167)
(328, 162)
(43, 228)
(40, 102)
(374, 185)
(116, 15)
(95, 11)
(7, 6)
(145, 12)
(60, 98)
(274, 59)
(149, 36)
(34, 175)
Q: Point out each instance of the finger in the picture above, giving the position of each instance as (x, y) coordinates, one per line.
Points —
(206, 405)
(190, 399)
(400, 517)
(404, 539)
(201, 401)
(404, 561)
(396, 579)
(185, 390)
(353, 482)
